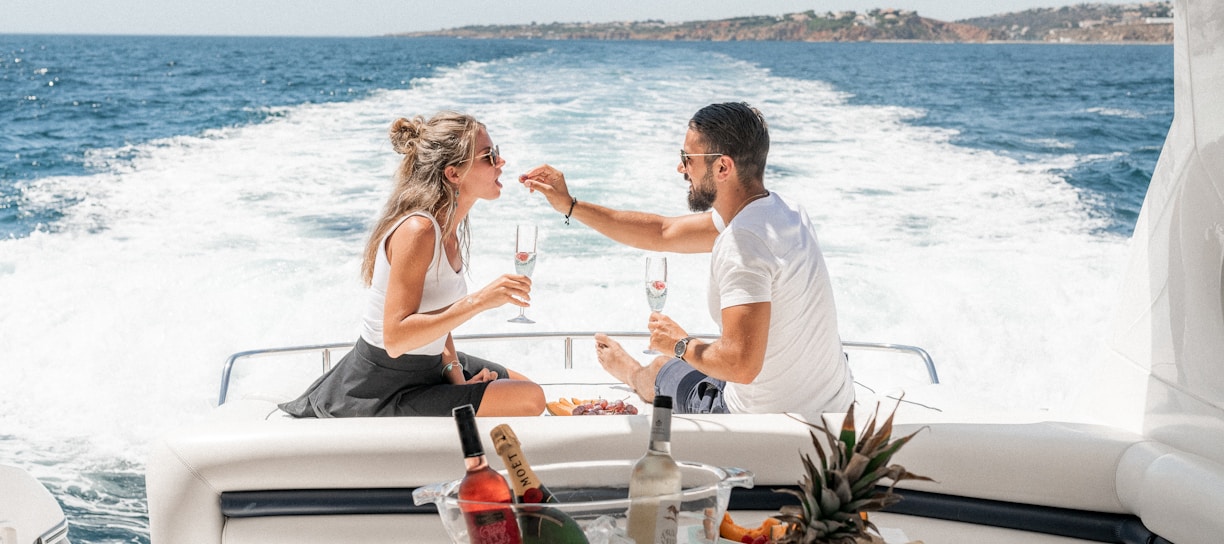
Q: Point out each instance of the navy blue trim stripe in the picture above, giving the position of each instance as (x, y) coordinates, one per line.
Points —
(1081, 524)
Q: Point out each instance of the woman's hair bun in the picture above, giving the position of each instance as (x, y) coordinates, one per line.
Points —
(405, 132)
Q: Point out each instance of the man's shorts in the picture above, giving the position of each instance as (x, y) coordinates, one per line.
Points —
(691, 391)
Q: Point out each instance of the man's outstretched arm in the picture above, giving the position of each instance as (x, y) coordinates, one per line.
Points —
(693, 233)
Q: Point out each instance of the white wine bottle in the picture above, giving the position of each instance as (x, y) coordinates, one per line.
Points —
(654, 486)
(539, 525)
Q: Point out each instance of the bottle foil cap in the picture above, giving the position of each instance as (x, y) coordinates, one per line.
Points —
(469, 435)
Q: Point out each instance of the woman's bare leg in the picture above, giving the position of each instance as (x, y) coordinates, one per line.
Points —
(515, 375)
(512, 398)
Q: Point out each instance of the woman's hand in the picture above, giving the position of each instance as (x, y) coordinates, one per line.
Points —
(550, 182)
(508, 289)
(485, 375)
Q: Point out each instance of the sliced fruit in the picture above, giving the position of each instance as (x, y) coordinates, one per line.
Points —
(769, 529)
(575, 406)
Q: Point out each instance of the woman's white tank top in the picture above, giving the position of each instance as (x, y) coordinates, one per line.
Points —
(443, 286)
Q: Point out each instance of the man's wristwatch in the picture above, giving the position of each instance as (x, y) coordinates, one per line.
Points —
(682, 346)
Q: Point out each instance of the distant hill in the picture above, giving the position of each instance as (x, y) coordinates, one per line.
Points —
(1151, 22)
(1148, 22)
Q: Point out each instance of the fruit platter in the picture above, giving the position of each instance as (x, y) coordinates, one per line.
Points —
(590, 407)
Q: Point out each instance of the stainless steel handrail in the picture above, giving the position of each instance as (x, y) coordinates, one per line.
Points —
(914, 350)
(228, 368)
(568, 337)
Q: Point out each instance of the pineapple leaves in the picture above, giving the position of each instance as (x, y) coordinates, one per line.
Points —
(847, 431)
(835, 494)
(807, 461)
(885, 454)
(858, 464)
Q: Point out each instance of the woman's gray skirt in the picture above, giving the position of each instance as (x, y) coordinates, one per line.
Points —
(369, 382)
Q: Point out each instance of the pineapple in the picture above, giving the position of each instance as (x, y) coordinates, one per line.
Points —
(835, 496)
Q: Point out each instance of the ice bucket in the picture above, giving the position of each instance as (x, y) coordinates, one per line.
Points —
(596, 495)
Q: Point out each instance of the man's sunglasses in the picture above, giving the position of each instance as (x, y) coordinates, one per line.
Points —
(684, 156)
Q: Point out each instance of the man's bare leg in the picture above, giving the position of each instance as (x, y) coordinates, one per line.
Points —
(625, 368)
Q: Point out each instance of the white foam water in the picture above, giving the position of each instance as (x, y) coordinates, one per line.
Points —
(113, 328)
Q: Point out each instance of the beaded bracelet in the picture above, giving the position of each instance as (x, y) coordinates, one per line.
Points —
(446, 369)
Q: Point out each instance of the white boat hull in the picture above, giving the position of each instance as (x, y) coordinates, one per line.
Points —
(199, 479)
(28, 512)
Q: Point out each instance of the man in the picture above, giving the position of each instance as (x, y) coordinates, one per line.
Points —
(769, 288)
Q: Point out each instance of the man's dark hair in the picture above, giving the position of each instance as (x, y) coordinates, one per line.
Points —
(737, 130)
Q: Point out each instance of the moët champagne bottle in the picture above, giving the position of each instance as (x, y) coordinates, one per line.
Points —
(488, 521)
(654, 485)
(542, 524)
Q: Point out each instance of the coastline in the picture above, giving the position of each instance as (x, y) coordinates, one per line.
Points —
(899, 41)
(1085, 23)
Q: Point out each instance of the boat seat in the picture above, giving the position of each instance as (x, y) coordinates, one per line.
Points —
(251, 446)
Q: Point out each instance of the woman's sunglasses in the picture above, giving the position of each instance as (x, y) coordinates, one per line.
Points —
(493, 155)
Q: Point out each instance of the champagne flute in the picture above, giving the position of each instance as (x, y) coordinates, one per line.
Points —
(524, 260)
(656, 287)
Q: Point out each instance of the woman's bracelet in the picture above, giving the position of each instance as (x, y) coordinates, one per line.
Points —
(573, 202)
(446, 369)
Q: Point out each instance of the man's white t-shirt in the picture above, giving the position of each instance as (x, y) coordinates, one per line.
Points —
(769, 253)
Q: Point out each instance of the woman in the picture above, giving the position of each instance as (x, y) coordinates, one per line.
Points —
(405, 363)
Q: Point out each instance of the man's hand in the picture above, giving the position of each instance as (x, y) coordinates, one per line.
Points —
(664, 333)
(550, 182)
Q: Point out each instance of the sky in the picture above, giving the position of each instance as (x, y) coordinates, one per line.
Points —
(381, 17)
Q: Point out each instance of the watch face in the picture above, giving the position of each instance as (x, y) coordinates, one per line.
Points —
(680, 348)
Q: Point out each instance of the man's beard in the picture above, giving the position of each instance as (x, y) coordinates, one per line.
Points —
(701, 196)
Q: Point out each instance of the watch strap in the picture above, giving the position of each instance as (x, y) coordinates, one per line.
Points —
(682, 347)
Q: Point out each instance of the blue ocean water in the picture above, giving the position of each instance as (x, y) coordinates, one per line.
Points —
(165, 202)
(1108, 106)
(66, 96)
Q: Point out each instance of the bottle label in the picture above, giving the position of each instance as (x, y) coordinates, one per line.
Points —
(660, 429)
(493, 527)
(522, 475)
(654, 521)
(667, 523)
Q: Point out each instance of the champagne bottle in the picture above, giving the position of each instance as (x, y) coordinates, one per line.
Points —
(654, 486)
(539, 525)
(487, 523)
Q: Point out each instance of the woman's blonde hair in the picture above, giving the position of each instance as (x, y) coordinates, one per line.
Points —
(428, 147)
